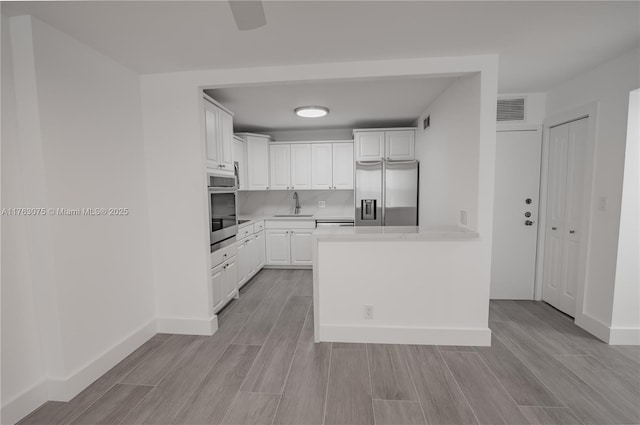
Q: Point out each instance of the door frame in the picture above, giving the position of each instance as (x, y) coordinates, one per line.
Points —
(589, 110)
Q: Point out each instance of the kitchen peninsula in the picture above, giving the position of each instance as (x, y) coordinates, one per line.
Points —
(400, 285)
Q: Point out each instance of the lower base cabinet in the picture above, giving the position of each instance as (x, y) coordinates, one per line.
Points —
(289, 247)
(224, 283)
(251, 256)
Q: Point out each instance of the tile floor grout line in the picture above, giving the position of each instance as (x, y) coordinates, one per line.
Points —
(459, 386)
(415, 387)
(366, 352)
(295, 351)
(326, 394)
(536, 374)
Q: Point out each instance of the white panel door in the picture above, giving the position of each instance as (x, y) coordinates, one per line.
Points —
(211, 134)
(342, 165)
(555, 226)
(257, 163)
(515, 222)
(217, 287)
(400, 145)
(301, 247)
(301, 166)
(243, 262)
(369, 145)
(576, 155)
(260, 250)
(240, 157)
(278, 247)
(321, 166)
(230, 279)
(280, 164)
(225, 140)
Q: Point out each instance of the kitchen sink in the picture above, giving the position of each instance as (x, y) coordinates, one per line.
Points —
(293, 215)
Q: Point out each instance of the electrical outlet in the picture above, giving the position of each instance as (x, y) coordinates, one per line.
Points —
(463, 217)
(368, 312)
(321, 204)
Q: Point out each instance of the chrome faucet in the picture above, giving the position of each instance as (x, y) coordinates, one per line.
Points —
(296, 210)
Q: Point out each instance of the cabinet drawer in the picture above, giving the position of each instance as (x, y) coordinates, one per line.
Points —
(290, 224)
(245, 231)
(258, 226)
(223, 254)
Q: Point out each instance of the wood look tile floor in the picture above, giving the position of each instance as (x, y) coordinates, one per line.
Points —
(262, 367)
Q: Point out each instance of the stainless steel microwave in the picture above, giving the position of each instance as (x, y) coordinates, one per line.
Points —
(222, 194)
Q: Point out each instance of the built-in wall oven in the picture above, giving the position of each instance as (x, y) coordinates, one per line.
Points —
(223, 224)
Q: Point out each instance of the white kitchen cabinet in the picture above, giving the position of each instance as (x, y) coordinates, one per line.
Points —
(342, 170)
(321, 166)
(399, 145)
(251, 251)
(218, 129)
(278, 247)
(260, 251)
(280, 164)
(257, 160)
(217, 287)
(240, 156)
(395, 144)
(369, 145)
(331, 166)
(289, 243)
(230, 276)
(300, 166)
(301, 247)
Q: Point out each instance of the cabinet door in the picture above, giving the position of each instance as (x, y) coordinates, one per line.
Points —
(280, 164)
(230, 279)
(211, 134)
(278, 247)
(243, 261)
(399, 145)
(260, 251)
(343, 165)
(257, 163)
(301, 247)
(369, 145)
(239, 155)
(217, 287)
(321, 168)
(225, 140)
(251, 255)
(301, 166)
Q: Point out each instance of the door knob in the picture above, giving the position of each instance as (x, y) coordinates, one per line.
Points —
(528, 223)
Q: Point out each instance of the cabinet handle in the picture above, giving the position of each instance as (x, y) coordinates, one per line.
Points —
(267, 187)
(554, 228)
(572, 231)
(224, 255)
(329, 187)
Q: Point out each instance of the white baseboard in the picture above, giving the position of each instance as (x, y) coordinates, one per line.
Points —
(406, 335)
(172, 325)
(25, 403)
(593, 326)
(64, 389)
(624, 336)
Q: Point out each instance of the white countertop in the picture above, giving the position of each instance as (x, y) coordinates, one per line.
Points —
(422, 233)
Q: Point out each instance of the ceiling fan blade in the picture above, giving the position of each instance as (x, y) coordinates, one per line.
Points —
(249, 14)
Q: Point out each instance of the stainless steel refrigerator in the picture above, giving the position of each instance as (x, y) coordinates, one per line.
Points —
(386, 193)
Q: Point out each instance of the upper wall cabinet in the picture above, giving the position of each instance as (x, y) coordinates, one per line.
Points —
(331, 166)
(390, 144)
(290, 166)
(256, 160)
(218, 128)
(301, 166)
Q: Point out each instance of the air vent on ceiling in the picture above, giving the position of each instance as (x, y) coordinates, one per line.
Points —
(511, 109)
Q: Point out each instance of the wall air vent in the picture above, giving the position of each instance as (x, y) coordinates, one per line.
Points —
(511, 109)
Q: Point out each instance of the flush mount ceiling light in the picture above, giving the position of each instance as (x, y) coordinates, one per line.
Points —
(311, 111)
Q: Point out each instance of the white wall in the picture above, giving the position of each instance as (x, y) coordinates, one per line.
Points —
(80, 145)
(23, 367)
(338, 203)
(311, 135)
(608, 85)
(625, 320)
(448, 152)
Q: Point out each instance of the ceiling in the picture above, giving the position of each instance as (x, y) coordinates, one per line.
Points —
(540, 43)
(391, 102)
